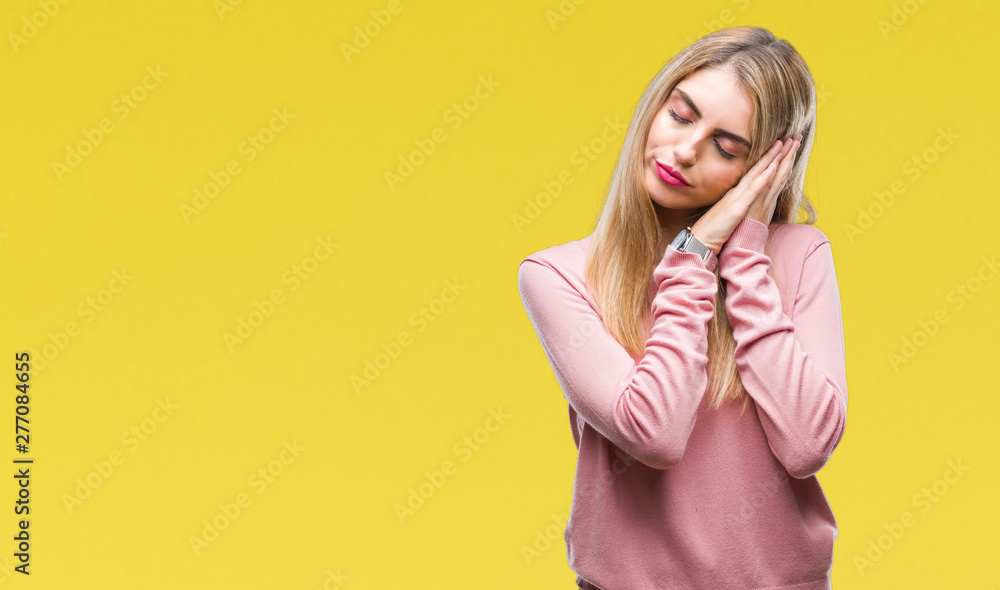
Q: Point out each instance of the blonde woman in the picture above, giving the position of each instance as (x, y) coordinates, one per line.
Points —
(697, 335)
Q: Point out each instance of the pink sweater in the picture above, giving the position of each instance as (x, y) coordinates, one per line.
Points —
(668, 493)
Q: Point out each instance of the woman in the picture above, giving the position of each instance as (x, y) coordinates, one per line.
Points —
(660, 340)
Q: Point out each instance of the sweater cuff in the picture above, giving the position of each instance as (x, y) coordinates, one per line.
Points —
(749, 234)
(675, 257)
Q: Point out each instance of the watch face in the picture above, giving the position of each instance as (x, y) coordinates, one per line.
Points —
(680, 239)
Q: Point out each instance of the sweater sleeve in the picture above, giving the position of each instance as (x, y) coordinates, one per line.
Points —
(646, 408)
(793, 369)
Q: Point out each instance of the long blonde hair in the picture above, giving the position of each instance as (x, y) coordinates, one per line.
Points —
(626, 243)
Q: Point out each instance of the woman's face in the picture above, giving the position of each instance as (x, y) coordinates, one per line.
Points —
(701, 132)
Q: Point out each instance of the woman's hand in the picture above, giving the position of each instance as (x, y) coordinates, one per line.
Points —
(755, 196)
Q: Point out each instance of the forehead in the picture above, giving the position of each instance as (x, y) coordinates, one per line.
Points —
(719, 96)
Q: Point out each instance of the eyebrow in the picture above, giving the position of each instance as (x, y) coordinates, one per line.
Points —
(697, 112)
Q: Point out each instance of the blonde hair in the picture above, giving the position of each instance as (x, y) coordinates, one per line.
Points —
(626, 241)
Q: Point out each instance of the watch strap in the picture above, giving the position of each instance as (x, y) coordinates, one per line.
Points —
(686, 242)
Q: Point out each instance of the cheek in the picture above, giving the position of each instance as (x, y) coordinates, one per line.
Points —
(657, 138)
(725, 176)
(733, 174)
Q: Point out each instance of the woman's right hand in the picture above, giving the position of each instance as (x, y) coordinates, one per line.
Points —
(757, 189)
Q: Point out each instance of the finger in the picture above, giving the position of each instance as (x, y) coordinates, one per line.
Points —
(773, 155)
(767, 158)
(781, 175)
(756, 179)
(787, 146)
(758, 183)
(787, 160)
(749, 181)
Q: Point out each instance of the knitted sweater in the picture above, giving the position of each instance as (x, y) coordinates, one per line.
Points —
(669, 493)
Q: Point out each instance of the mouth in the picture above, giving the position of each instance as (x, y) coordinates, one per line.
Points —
(669, 175)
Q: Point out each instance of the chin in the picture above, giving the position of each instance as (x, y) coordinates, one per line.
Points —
(665, 197)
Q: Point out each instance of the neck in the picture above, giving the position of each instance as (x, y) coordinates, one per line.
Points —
(672, 221)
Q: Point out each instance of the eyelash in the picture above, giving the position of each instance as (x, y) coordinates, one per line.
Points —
(722, 152)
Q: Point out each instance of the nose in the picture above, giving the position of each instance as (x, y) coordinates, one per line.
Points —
(684, 149)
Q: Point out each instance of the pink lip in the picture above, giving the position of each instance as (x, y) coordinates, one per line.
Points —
(669, 175)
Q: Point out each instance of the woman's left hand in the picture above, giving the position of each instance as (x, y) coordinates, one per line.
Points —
(762, 207)
(754, 196)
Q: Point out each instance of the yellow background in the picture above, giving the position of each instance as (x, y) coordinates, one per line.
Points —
(885, 95)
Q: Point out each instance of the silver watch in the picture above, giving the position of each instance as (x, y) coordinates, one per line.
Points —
(686, 242)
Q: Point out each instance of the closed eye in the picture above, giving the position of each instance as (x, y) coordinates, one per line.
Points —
(722, 152)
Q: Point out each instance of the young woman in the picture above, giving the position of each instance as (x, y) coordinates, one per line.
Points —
(697, 336)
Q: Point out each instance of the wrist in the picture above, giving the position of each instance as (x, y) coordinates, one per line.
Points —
(696, 233)
(686, 241)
